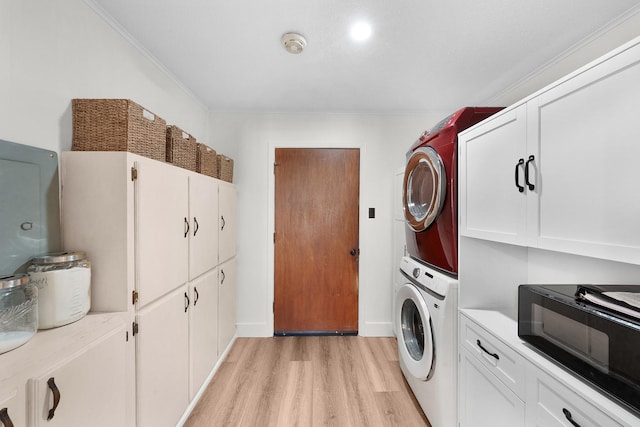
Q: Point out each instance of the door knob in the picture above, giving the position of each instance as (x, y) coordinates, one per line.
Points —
(354, 251)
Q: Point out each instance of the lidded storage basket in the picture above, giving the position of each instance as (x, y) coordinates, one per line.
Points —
(117, 125)
(181, 148)
(225, 168)
(206, 161)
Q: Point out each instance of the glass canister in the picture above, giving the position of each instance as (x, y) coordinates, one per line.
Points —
(64, 287)
(18, 311)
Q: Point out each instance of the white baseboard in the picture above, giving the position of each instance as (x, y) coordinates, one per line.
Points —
(377, 329)
(253, 330)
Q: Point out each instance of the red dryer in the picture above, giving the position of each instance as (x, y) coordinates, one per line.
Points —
(430, 186)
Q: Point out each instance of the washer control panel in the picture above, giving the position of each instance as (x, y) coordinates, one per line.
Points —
(426, 277)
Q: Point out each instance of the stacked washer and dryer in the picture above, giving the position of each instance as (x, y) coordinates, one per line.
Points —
(426, 307)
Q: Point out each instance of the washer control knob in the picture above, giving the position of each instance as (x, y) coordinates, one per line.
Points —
(416, 272)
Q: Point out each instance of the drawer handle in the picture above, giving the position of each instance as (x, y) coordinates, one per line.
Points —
(5, 419)
(569, 417)
(520, 187)
(487, 351)
(56, 397)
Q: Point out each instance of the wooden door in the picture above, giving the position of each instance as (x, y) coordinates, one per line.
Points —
(316, 240)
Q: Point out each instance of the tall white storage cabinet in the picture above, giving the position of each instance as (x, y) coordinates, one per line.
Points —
(154, 233)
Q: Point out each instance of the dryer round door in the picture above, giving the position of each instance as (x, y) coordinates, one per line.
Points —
(415, 337)
(424, 188)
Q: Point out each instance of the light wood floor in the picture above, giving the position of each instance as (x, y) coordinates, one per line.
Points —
(309, 381)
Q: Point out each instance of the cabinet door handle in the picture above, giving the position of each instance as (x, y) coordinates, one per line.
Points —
(223, 222)
(195, 300)
(569, 417)
(487, 351)
(5, 419)
(56, 397)
(520, 187)
(186, 227)
(526, 173)
(186, 302)
(223, 277)
(196, 226)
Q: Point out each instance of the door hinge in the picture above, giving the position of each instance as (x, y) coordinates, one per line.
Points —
(134, 328)
(134, 297)
(134, 173)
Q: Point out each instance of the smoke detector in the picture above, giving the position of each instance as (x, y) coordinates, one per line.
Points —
(293, 42)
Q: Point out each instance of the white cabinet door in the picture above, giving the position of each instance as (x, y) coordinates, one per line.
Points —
(162, 360)
(228, 214)
(203, 329)
(485, 400)
(86, 389)
(492, 159)
(12, 407)
(551, 404)
(203, 214)
(586, 131)
(162, 229)
(226, 304)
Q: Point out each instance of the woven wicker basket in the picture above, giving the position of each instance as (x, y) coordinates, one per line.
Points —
(225, 168)
(181, 148)
(117, 125)
(206, 160)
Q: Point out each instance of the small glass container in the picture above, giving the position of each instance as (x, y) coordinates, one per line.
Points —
(18, 311)
(64, 287)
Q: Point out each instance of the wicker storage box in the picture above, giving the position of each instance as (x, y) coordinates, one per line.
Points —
(225, 168)
(181, 148)
(117, 125)
(206, 160)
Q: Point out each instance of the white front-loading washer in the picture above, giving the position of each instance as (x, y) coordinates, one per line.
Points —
(426, 314)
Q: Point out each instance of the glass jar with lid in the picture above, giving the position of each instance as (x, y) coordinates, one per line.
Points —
(18, 311)
(64, 287)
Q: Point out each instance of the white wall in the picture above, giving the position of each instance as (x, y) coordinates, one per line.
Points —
(54, 50)
(252, 138)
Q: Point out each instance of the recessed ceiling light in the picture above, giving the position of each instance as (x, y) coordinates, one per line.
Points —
(360, 31)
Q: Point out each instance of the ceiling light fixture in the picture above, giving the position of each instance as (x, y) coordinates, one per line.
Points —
(360, 31)
(293, 42)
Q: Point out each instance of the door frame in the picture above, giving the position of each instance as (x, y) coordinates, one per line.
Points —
(271, 223)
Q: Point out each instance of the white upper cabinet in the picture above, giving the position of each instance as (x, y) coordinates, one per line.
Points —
(558, 171)
(203, 233)
(228, 213)
(162, 229)
(492, 185)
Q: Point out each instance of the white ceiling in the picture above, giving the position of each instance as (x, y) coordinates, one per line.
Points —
(424, 55)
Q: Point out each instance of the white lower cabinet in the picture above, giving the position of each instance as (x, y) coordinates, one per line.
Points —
(532, 392)
(12, 407)
(551, 404)
(162, 360)
(203, 329)
(485, 397)
(86, 389)
(71, 376)
(226, 304)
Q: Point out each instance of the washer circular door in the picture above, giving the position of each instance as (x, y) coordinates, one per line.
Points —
(424, 188)
(415, 335)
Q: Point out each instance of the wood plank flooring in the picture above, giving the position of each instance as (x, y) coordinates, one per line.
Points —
(309, 381)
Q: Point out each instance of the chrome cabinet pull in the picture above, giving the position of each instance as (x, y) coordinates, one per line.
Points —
(56, 397)
(520, 187)
(487, 351)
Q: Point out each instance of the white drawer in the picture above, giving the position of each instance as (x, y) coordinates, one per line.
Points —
(505, 363)
(551, 404)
